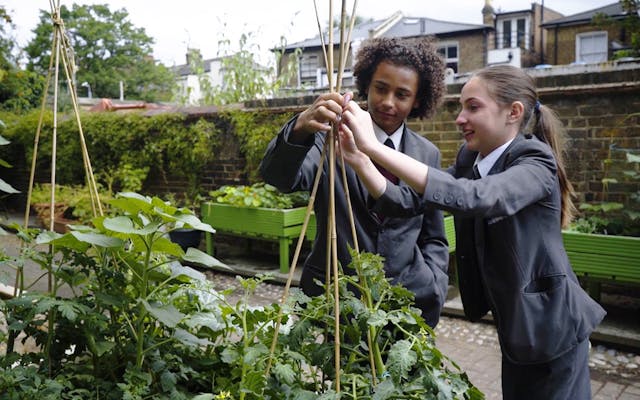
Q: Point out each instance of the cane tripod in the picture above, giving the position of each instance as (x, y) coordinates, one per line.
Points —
(329, 151)
(61, 53)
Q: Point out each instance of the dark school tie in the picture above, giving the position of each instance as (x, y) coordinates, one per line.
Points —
(476, 172)
(391, 177)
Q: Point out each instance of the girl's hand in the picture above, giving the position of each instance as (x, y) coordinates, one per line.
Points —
(348, 149)
(360, 126)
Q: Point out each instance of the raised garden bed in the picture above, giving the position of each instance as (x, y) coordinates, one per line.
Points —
(603, 258)
(281, 225)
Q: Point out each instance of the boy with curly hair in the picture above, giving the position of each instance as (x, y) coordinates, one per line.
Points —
(399, 79)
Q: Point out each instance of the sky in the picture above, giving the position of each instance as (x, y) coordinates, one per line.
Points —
(178, 25)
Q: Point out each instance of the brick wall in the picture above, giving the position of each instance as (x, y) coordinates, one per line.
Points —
(596, 108)
(565, 51)
(472, 49)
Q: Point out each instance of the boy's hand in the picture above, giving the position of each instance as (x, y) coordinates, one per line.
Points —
(327, 108)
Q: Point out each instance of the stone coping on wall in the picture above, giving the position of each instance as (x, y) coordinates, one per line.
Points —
(568, 79)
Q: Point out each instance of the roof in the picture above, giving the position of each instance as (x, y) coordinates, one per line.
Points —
(612, 10)
(185, 69)
(396, 25)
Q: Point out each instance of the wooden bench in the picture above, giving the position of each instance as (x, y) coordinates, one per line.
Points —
(603, 258)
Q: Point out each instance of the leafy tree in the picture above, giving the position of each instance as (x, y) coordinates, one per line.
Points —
(108, 50)
(243, 76)
(629, 25)
(19, 90)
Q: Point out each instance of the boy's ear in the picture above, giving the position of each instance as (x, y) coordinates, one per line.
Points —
(516, 112)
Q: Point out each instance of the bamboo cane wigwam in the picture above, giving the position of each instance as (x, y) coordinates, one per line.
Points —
(329, 147)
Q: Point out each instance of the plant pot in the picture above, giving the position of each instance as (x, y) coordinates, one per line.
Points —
(43, 212)
(186, 237)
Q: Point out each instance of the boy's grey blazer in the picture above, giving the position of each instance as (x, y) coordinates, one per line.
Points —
(415, 248)
(510, 254)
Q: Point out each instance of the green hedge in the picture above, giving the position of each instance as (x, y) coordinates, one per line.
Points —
(122, 147)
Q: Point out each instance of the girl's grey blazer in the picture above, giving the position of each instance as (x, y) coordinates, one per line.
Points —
(509, 250)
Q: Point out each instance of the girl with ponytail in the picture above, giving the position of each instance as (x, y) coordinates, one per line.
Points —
(510, 197)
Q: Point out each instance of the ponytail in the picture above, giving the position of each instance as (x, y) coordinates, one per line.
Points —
(548, 128)
(507, 84)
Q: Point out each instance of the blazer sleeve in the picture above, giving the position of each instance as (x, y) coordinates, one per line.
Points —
(290, 166)
(528, 175)
(432, 240)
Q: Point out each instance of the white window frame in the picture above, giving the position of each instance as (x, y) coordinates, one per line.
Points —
(513, 42)
(308, 69)
(450, 60)
(603, 52)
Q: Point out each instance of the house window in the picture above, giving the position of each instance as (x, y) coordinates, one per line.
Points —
(449, 52)
(506, 34)
(513, 33)
(591, 47)
(520, 34)
(308, 69)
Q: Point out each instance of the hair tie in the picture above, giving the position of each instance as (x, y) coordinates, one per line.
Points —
(536, 107)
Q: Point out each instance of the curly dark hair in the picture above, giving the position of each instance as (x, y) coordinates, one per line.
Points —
(418, 54)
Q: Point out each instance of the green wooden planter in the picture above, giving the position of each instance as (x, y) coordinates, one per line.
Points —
(603, 258)
(279, 225)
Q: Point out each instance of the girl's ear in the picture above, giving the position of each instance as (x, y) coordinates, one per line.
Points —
(516, 112)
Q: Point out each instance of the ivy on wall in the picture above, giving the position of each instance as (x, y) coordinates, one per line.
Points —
(255, 129)
(123, 148)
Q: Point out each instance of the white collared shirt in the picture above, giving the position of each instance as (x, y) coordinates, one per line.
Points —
(396, 137)
(486, 163)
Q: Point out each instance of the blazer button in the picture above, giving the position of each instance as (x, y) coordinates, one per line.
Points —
(459, 202)
(448, 199)
(437, 196)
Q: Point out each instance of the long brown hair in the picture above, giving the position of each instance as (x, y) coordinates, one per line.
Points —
(507, 84)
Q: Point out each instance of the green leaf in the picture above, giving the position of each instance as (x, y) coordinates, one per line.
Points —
(199, 257)
(5, 187)
(165, 245)
(178, 270)
(401, 358)
(67, 241)
(229, 355)
(385, 390)
(633, 158)
(377, 318)
(168, 381)
(165, 313)
(204, 396)
(205, 319)
(285, 373)
(69, 310)
(102, 347)
(194, 222)
(254, 383)
(190, 339)
(254, 353)
(606, 207)
(98, 239)
(125, 225)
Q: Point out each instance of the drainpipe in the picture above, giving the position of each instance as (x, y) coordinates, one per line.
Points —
(541, 29)
(555, 47)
